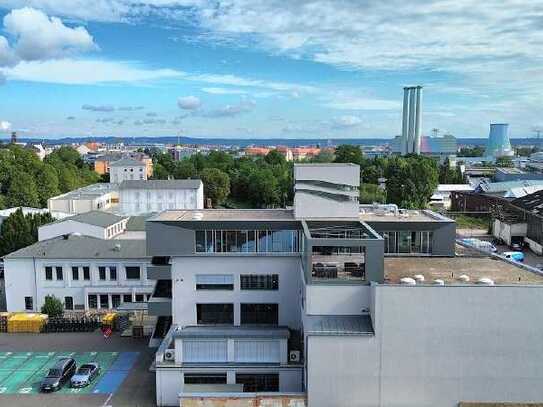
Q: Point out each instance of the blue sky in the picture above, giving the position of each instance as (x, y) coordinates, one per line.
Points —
(248, 68)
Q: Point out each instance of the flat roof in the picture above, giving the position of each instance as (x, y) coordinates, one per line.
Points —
(225, 215)
(231, 332)
(90, 191)
(450, 269)
(403, 216)
(161, 184)
(96, 218)
(331, 325)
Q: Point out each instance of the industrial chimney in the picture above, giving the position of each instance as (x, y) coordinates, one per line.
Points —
(411, 120)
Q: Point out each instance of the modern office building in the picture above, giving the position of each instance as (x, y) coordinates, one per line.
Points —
(86, 273)
(354, 306)
(146, 196)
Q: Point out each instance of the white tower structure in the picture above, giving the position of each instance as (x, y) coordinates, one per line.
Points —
(411, 120)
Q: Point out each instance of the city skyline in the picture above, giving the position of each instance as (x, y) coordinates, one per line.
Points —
(266, 69)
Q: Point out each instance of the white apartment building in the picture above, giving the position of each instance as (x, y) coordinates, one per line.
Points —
(367, 308)
(127, 169)
(84, 272)
(140, 197)
(95, 197)
(101, 225)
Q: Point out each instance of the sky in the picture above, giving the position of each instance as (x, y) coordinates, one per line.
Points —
(268, 68)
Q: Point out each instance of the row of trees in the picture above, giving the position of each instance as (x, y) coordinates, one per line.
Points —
(27, 181)
(18, 230)
(267, 181)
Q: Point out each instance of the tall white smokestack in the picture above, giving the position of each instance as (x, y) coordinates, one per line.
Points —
(418, 121)
(412, 110)
(405, 122)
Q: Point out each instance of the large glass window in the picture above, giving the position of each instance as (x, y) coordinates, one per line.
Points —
(215, 313)
(248, 241)
(214, 282)
(259, 281)
(339, 263)
(267, 314)
(258, 382)
(408, 242)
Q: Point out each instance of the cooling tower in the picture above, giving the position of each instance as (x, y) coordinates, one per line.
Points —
(498, 144)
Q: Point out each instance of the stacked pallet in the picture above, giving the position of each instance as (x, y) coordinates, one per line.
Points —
(26, 322)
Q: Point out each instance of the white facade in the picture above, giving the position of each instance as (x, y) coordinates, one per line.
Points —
(26, 277)
(133, 170)
(137, 198)
(96, 197)
(69, 226)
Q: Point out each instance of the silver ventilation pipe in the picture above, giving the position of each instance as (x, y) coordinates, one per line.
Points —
(418, 121)
(405, 123)
(412, 109)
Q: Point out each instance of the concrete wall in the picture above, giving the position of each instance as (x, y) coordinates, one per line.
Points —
(185, 295)
(507, 231)
(26, 278)
(351, 299)
(435, 347)
(119, 174)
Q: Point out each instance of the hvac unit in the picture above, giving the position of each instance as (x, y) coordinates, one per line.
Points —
(294, 356)
(169, 354)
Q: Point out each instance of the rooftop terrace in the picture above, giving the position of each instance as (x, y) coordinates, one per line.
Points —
(450, 269)
(225, 215)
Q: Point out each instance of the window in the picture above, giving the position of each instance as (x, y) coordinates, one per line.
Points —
(86, 272)
(29, 303)
(408, 242)
(68, 303)
(214, 282)
(140, 298)
(93, 301)
(133, 272)
(115, 300)
(104, 301)
(258, 382)
(205, 378)
(58, 270)
(102, 272)
(257, 351)
(75, 273)
(48, 273)
(113, 273)
(205, 351)
(260, 314)
(215, 313)
(127, 297)
(259, 281)
(247, 241)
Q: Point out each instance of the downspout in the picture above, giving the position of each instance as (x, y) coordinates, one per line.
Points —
(35, 281)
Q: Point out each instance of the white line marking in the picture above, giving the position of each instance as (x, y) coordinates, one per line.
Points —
(106, 403)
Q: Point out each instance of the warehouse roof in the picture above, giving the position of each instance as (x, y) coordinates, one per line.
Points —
(82, 247)
(96, 218)
(532, 203)
(162, 184)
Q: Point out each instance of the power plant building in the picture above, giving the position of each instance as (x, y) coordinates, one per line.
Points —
(498, 144)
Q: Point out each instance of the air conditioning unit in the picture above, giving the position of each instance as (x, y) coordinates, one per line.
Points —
(169, 354)
(294, 356)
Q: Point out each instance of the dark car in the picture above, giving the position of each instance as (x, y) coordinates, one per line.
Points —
(58, 375)
(85, 375)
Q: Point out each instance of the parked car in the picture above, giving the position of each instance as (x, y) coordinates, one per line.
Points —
(480, 244)
(85, 375)
(516, 246)
(515, 256)
(58, 375)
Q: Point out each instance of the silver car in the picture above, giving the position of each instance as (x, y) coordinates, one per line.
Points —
(85, 375)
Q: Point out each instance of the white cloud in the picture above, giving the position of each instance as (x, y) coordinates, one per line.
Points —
(39, 37)
(5, 125)
(189, 103)
(7, 56)
(70, 71)
(99, 108)
(346, 121)
(224, 91)
(349, 102)
(244, 106)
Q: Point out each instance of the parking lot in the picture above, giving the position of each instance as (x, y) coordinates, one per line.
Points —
(124, 380)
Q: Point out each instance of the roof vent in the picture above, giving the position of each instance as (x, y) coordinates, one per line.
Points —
(408, 281)
(197, 215)
(464, 278)
(485, 281)
(419, 278)
(117, 247)
(439, 282)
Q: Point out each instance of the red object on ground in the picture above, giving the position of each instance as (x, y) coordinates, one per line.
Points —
(107, 331)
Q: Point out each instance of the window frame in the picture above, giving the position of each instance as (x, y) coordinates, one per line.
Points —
(227, 313)
(252, 317)
(132, 278)
(270, 282)
(29, 300)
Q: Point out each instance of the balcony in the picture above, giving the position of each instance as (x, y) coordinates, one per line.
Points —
(159, 272)
(338, 263)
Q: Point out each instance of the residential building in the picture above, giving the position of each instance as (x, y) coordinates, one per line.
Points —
(356, 306)
(141, 196)
(102, 163)
(93, 197)
(84, 272)
(98, 224)
(126, 169)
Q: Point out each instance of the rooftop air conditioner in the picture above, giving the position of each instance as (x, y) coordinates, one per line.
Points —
(294, 356)
(169, 354)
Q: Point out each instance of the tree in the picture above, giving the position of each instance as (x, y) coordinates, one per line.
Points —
(411, 181)
(184, 169)
(264, 188)
(216, 185)
(48, 184)
(347, 153)
(274, 157)
(22, 191)
(504, 162)
(476, 151)
(325, 156)
(159, 171)
(18, 231)
(52, 307)
(371, 193)
(448, 175)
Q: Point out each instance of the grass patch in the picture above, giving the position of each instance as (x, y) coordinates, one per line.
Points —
(470, 222)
